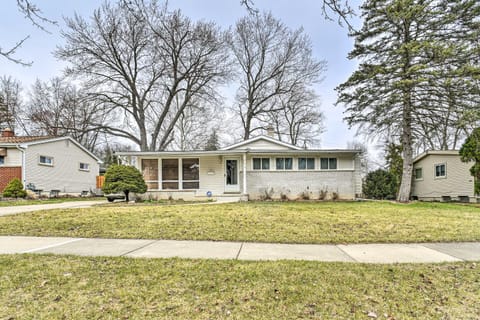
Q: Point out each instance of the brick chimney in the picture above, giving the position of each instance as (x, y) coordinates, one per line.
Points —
(7, 133)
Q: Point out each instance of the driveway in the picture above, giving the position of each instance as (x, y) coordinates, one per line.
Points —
(5, 211)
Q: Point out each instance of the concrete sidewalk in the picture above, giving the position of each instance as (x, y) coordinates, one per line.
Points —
(364, 253)
(5, 211)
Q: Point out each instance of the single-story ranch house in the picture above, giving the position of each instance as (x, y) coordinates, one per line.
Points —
(47, 164)
(442, 176)
(257, 168)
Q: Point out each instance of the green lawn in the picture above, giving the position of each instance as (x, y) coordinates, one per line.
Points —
(290, 222)
(63, 287)
(25, 202)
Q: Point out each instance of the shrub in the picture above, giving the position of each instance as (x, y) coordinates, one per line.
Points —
(126, 179)
(14, 189)
(323, 195)
(380, 184)
(335, 196)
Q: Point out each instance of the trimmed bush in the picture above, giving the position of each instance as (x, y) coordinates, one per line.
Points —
(380, 184)
(126, 179)
(14, 189)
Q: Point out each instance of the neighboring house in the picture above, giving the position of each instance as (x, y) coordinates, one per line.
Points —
(442, 176)
(48, 163)
(253, 168)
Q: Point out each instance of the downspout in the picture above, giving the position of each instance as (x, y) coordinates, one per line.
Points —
(24, 171)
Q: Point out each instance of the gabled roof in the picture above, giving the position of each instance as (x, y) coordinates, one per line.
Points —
(29, 141)
(436, 152)
(265, 138)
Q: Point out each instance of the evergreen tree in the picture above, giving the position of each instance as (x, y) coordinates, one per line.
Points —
(470, 151)
(212, 143)
(126, 179)
(380, 184)
(14, 189)
(394, 161)
(406, 50)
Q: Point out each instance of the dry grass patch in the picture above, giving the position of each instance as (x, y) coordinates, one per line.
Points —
(304, 222)
(54, 287)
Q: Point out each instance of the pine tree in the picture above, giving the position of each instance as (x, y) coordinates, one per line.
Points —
(406, 49)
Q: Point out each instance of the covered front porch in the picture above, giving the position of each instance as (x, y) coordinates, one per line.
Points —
(192, 175)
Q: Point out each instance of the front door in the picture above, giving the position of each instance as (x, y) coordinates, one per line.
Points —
(231, 175)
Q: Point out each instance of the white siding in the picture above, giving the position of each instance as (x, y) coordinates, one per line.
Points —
(458, 181)
(64, 175)
(13, 158)
(211, 175)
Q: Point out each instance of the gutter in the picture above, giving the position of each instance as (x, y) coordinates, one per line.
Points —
(24, 178)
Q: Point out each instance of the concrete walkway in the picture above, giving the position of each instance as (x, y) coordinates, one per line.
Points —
(364, 253)
(5, 211)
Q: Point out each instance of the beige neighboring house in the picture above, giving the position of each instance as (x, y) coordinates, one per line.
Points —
(47, 164)
(442, 176)
(250, 170)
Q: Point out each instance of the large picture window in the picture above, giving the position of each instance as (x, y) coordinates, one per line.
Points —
(190, 175)
(169, 173)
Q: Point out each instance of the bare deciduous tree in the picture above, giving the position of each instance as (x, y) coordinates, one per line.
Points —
(272, 61)
(299, 120)
(58, 108)
(10, 102)
(32, 13)
(146, 65)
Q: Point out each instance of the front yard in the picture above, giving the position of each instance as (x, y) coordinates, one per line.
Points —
(27, 202)
(289, 222)
(65, 287)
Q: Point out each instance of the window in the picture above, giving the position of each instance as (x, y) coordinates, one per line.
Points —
(84, 166)
(328, 163)
(306, 163)
(418, 174)
(47, 161)
(170, 174)
(284, 163)
(2, 160)
(261, 163)
(190, 173)
(440, 170)
(150, 173)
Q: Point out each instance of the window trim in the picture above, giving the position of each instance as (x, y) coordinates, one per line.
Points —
(44, 163)
(82, 169)
(328, 162)
(435, 170)
(261, 163)
(415, 172)
(284, 162)
(306, 163)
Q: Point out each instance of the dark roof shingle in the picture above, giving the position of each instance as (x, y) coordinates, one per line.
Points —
(17, 139)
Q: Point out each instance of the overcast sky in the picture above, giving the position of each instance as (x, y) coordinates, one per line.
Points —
(330, 42)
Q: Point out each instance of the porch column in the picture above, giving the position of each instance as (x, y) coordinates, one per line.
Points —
(245, 173)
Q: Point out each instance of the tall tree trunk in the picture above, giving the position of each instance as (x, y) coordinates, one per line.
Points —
(406, 183)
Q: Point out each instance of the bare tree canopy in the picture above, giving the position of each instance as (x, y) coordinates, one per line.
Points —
(58, 108)
(10, 102)
(339, 8)
(273, 61)
(146, 65)
(33, 14)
